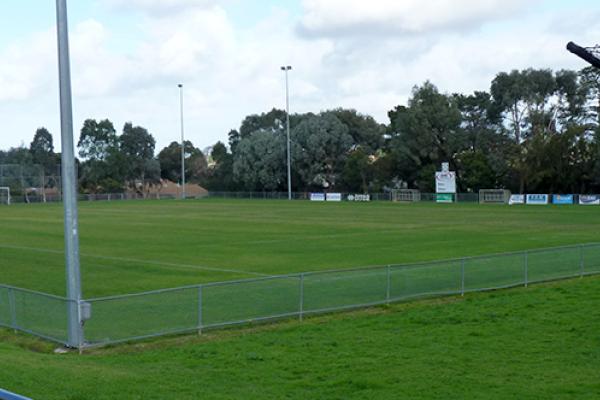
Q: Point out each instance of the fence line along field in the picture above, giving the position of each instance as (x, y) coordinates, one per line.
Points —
(138, 246)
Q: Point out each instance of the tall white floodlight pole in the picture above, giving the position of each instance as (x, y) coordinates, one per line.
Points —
(287, 69)
(182, 142)
(69, 180)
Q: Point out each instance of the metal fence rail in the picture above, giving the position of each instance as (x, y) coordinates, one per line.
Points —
(195, 308)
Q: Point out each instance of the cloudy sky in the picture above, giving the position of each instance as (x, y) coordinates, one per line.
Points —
(129, 55)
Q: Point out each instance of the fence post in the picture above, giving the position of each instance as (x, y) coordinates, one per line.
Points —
(200, 310)
(462, 277)
(301, 297)
(526, 268)
(13, 309)
(581, 261)
(389, 284)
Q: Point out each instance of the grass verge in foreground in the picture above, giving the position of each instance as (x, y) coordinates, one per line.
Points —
(542, 342)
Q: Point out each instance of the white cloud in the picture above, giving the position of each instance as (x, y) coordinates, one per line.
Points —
(23, 66)
(231, 71)
(360, 17)
(159, 7)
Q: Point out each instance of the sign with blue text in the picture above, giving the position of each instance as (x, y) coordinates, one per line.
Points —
(317, 197)
(589, 200)
(562, 199)
(334, 197)
(538, 199)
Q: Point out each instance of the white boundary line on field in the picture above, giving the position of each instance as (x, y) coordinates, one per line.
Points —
(138, 261)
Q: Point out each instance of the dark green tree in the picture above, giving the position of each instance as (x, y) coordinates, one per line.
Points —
(195, 163)
(42, 151)
(97, 140)
(358, 172)
(136, 146)
(365, 131)
(103, 166)
(425, 134)
(321, 146)
(259, 161)
(220, 173)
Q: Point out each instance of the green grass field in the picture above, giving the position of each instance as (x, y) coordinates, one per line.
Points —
(540, 342)
(136, 246)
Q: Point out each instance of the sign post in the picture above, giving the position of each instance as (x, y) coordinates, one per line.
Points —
(445, 185)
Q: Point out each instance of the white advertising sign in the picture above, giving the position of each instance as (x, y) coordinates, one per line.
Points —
(359, 197)
(516, 199)
(445, 182)
(317, 197)
(538, 199)
(589, 200)
(334, 197)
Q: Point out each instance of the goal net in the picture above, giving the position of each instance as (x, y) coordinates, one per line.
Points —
(407, 195)
(4, 195)
(494, 196)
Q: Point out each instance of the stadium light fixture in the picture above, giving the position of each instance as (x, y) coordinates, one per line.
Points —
(180, 86)
(589, 54)
(69, 179)
(287, 69)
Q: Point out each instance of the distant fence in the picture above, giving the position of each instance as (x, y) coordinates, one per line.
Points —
(389, 196)
(195, 308)
(385, 196)
(56, 198)
(376, 197)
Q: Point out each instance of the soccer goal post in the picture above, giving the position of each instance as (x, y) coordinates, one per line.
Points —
(5, 195)
(494, 196)
(407, 195)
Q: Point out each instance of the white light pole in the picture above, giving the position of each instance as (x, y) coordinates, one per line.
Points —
(287, 69)
(182, 143)
(69, 180)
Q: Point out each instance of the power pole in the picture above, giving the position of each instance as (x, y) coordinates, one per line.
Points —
(69, 181)
(287, 69)
(182, 142)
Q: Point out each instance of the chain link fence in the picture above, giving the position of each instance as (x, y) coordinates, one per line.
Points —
(196, 308)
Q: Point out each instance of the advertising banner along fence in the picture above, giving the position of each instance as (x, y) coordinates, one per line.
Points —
(562, 199)
(334, 197)
(359, 197)
(591, 200)
(317, 197)
(516, 199)
(538, 199)
(444, 198)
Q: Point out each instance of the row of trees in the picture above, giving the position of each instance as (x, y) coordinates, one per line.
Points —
(110, 162)
(534, 131)
(107, 162)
